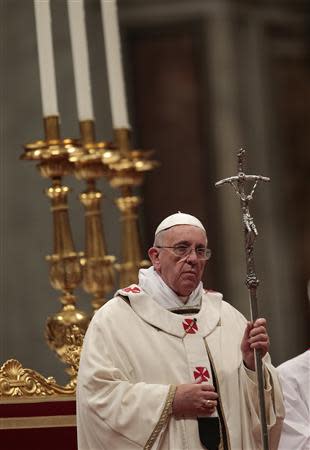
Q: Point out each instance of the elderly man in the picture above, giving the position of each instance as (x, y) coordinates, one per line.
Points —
(169, 365)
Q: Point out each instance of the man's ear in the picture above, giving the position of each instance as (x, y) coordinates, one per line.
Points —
(154, 257)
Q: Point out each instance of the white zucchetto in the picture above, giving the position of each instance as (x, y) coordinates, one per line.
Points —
(179, 219)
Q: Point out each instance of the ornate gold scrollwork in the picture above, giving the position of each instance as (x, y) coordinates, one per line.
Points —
(17, 381)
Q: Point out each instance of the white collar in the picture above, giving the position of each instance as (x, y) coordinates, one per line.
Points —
(155, 287)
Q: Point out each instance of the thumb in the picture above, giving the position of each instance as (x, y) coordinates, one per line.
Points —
(247, 330)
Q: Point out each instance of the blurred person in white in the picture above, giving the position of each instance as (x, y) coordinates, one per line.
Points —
(294, 376)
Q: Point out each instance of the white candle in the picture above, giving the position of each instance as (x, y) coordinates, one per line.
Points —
(46, 57)
(114, 64)
(80, 59)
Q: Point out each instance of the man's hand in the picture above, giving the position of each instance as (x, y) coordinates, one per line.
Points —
(255, 337)
(194, 400)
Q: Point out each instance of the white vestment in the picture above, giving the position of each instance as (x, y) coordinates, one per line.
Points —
(295, 380)
(135, 352)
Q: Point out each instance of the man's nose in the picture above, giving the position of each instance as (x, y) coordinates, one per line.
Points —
(192, 256)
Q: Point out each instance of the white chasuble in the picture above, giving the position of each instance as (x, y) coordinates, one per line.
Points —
(135, 352)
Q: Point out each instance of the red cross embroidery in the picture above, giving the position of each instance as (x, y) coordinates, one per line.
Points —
(201, 374)
(190, 326)
(133, 290)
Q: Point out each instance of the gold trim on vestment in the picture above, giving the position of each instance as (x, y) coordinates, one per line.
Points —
(8, 423)
(165, 415)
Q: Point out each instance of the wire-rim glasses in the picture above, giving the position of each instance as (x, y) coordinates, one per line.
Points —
(182, 251)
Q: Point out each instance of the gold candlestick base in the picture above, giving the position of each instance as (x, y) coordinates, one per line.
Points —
(64, 333)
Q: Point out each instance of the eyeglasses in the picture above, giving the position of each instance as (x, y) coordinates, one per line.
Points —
(185, 250)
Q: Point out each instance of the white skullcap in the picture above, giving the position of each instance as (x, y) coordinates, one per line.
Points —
(179, 219)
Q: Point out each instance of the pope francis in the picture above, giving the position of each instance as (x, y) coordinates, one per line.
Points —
(168, 365)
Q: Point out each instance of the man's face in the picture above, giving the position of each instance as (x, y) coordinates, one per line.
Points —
(181, 274)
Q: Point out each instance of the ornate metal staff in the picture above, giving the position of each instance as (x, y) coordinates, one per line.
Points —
(250, 233)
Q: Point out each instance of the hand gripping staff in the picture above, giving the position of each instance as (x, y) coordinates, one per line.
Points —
(250, 233)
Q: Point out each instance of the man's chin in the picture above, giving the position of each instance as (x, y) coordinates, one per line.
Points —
(187, 289)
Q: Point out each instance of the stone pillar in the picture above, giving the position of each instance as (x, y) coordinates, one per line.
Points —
(227, 140)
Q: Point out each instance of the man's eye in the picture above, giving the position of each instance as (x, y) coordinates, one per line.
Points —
(201, 251)
(181, 249)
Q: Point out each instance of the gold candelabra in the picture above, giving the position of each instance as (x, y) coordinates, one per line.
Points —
(65, 271)
(125, 174)
(88, 160)
(90, 163)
